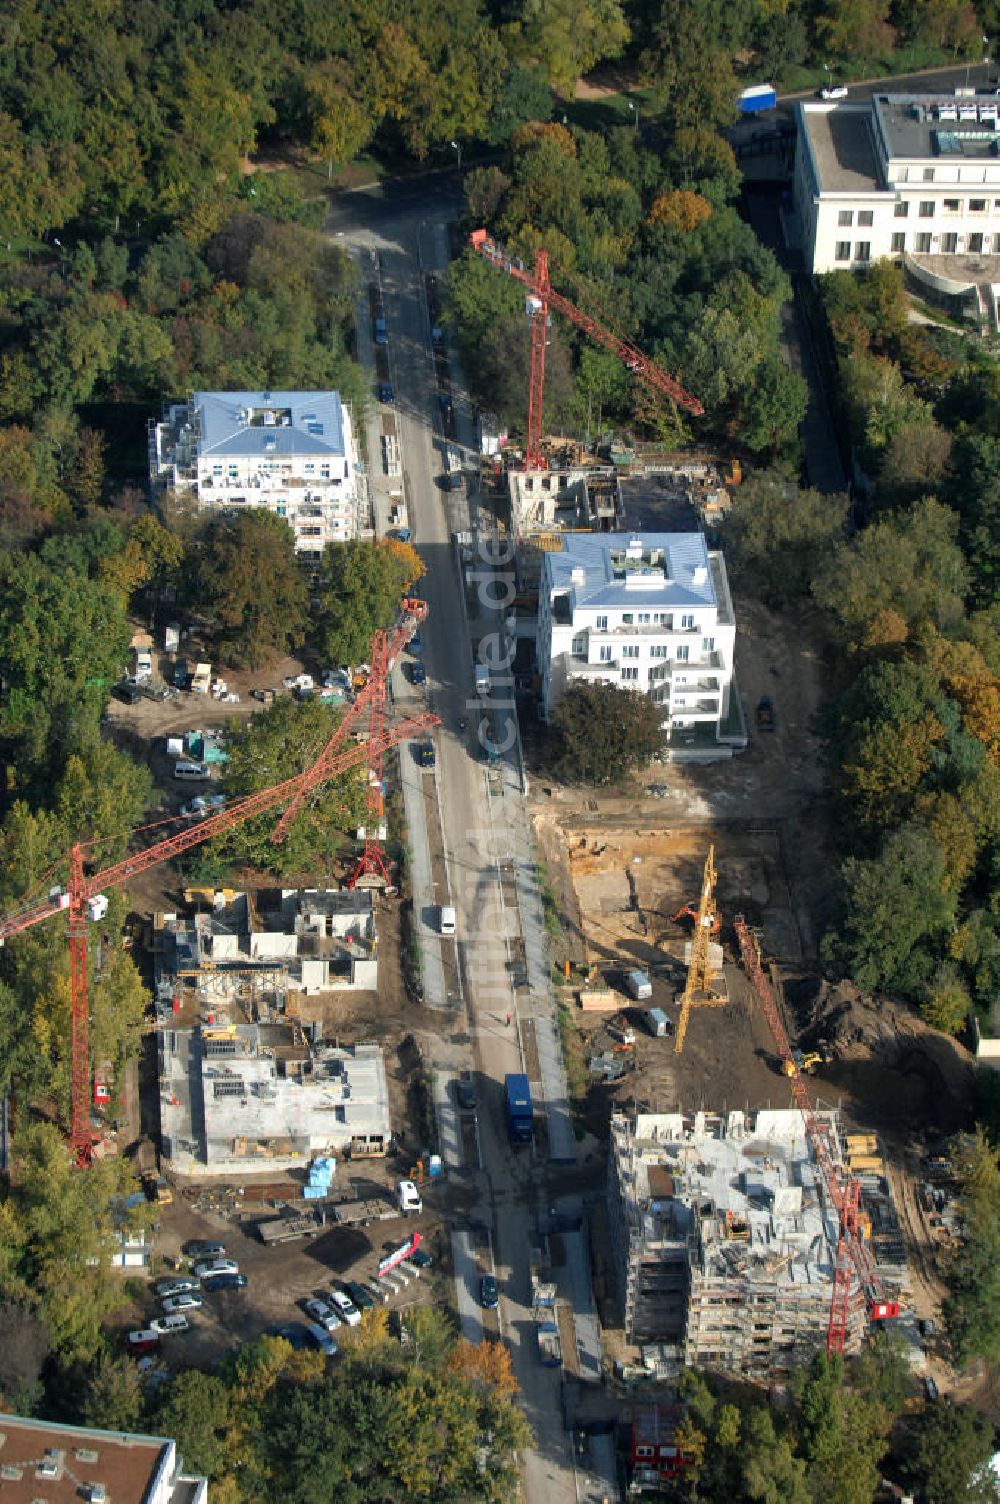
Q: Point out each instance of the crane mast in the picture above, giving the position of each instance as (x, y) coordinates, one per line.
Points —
(854, 1258)
(544, 297)
(82, 889)
(698, 987)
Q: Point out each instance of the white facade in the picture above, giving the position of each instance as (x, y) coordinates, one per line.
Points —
(898, 176)
(649, 611)
(291, 452)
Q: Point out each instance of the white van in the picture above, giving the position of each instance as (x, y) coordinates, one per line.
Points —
(446, 919)
(192, 770)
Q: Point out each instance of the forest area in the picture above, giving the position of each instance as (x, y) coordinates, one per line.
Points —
(145, 255)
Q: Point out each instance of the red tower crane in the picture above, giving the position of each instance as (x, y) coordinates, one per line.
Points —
(854, 1257)
(82, 891)
(385, 650)
(545, 297)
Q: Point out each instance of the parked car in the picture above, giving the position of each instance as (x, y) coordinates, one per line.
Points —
(323, 1313)
(416, 643)
(144, 1340)
(188, 1302)
(418, 674)
(409, 1198)
(363, 1299)
(765, 713)
(465, 1090)
(295, 1333)
(182, 674)
(345, 1307)
(419, 1259)
(165, 1324)
(489, 1293)
(385, 391)
(425, 754)
(401, 534)
(128, 692)
(834, 91)
(217, 1266)
(931, 1389)
(172, 1285)
(217, 1282)
(320, 1338)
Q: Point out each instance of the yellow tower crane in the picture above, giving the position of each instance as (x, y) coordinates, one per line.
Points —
(698, 991)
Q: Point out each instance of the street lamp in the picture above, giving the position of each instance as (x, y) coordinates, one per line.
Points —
(635, 112)
(455, 147)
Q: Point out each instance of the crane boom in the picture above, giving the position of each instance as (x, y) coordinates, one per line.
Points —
(412, 613)
(844, 1191)
(539, 284)
(81, 889)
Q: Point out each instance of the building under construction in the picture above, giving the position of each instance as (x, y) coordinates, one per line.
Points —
(725, 1240)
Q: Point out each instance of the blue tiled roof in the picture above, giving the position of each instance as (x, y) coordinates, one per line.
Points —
(687, 578)
(315, 426)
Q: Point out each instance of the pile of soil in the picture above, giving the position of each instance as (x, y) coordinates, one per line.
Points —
(857, 1026)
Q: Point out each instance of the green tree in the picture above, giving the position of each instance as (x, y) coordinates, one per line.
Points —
(195, 1411)
(772, 1473)
(972, 1310)
(950, 1455)
(947, 1004)
(362, 585)
(565, 40)
(897, 915)
(250, 586)
(282, 741)
(113, 1398)
(843, 1436)
(600, 732)
(779, 535)
(910, 563)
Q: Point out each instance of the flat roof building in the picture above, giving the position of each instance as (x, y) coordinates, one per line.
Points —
(911, 177)
(724, 1239)
(290, 452)
(40, 1460)
(649, 611)
(258, 1098)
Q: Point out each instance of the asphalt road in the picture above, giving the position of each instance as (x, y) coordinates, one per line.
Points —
(407, 231)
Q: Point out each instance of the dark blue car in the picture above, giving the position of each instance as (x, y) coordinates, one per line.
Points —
(224, 1282)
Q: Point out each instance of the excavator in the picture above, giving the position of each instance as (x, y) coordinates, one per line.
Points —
(806, 1062)
(687, 912)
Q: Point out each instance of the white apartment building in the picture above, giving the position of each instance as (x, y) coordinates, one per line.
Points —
(291, 452)
(912, 177)
(650, 611)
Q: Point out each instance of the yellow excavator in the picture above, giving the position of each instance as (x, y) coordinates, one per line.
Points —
(806, 1063)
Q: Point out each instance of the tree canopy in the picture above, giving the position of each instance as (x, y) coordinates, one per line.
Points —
(601, 732)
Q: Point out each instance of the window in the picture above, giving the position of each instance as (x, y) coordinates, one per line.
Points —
(866, 218)
(630, 651)
(627, 618)
(926, 208)
(605, 654)
(579, 644)
(630, 674)
(923, 245)
(601, 624)
(843, 251)
(928, 174)
(687, 622)
(902, 209)
(644, 1451)
(708, 644)
(996, 245)
(898, 242)
(643, 618)
(975, 243)
(949, 244)
(682, 653)
(863, 250)
(953, 205)
(845, 218)
(658, 650)
(977, 206)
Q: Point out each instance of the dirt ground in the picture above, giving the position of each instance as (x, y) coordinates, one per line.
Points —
(620, 864)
